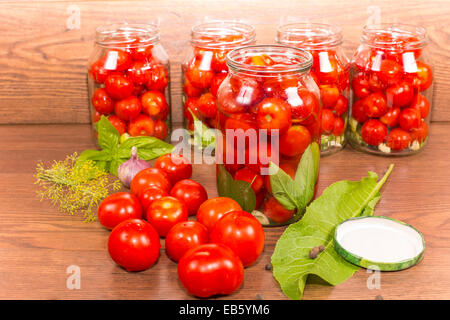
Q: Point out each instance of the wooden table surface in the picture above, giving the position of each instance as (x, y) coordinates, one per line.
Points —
(38, 244)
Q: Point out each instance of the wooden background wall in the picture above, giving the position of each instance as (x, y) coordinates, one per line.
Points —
(43, 51)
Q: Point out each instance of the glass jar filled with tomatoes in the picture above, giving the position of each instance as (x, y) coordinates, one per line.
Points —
(268, 112)
(128, 80)
(205, 67)
(391, 90)
(330, 70)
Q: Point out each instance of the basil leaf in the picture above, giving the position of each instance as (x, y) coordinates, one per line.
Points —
(148, 148)
(306, 175)
(95, 155)
(284, 188)
(238, 190)
(108, 136)
(203, 135)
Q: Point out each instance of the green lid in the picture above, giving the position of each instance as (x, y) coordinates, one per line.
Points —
(379, 243)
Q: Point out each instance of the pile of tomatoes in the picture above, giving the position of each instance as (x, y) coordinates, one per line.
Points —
(286, 107)
(216, 246)
(389, 99)
(202, 75)
(129, 87)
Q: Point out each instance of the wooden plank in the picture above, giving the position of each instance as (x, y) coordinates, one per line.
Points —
(37, 243)
(43, 59)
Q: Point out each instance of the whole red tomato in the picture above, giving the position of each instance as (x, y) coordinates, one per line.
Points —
(328, 69)
(409, 119)
(307, 108)
(175, 166)
(150, 194)
(150, 177)
(247, 92)
(213, 209)
(160, 131)
(276, 212)
(191, 193)
(117, 123)
(339, 126)
(118, 86)
(399, 94)
(184, 236)
(207, 105)
(198, 77)
(373, 132)
(159, 78)
(390, 71)
(358, 111)
(327, 121)
(254, 179)
(119, 207)
(218, 62)
(134, 245)
(398, 139)
(329, 95)
(421, 103)
(274, 114)
(423, 78)
(122, 59)
(128, 108)
(153, 103)
(102, 102)
(191, 91)
(98, 71)
(242, 233)
(341, 106)
(202, 270)
(216, 82)
(295, 141)
(139, 72)
(142, 125)
(391, 117)
(421, 133)
(375, 105)
(166, 212)
(360, 86)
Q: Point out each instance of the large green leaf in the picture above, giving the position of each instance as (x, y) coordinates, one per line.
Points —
(306, 174)
(148, 148)
(108, 136)
(340, 201)
(284, 188)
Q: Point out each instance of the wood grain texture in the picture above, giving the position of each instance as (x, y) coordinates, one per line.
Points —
(37, 243)
(43, 59)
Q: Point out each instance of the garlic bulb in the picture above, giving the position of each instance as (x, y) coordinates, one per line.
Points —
(131, 167)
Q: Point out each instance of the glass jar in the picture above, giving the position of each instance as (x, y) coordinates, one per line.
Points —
(391, 90)
(268, 110)
(330, 70)
(128, 80)
(204, 67)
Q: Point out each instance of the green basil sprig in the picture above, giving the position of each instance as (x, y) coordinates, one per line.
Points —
(203, 135)
(114, 154)
(298, 192)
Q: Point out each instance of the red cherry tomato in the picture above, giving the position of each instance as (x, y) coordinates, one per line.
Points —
(142, 125)
(279, 87)
(274, 114)
(150, 177)
(150, 194)
(260, 60)
(409, 119)
(247, 175)
(423, 78)
(360, 86)
(329, 95)
(399, 94)
(117, 208)
(207, 105)
(375, 105)
(202, 270)
(390, 71)
(327, 68)
(190, 90)
(398, 139)
(391, 117)
(307, 108)
(139, 72)
(120, 60)
(175, 166)
(213, 209)
(216, 82)
(375, 83)
(191, 105)
(191, 193)
(295, 141)
(102, 102)
(276, 212)
(118, 86)
(159, 78)
(358, 111)
(154, 103)
(339, 126)
(166, 212)
(184, 236)
(98, 71)
(218, 62)
(134, 245)
(160, 131)
(199, 77)
(421, 133)
(246, 93)
(327, 121)
(119, 124)
(341, 106)
(373, 132)
(242, 233)
(128, 108)
(421, 103)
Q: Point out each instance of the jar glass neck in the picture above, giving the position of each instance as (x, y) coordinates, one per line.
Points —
(310, 36)
(131, 35)
(222, 34)
(394, 36)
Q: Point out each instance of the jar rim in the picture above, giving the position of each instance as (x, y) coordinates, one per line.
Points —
(309, 35)
(119, 34)
(235, 59)
(371, 33)
(214, 30)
